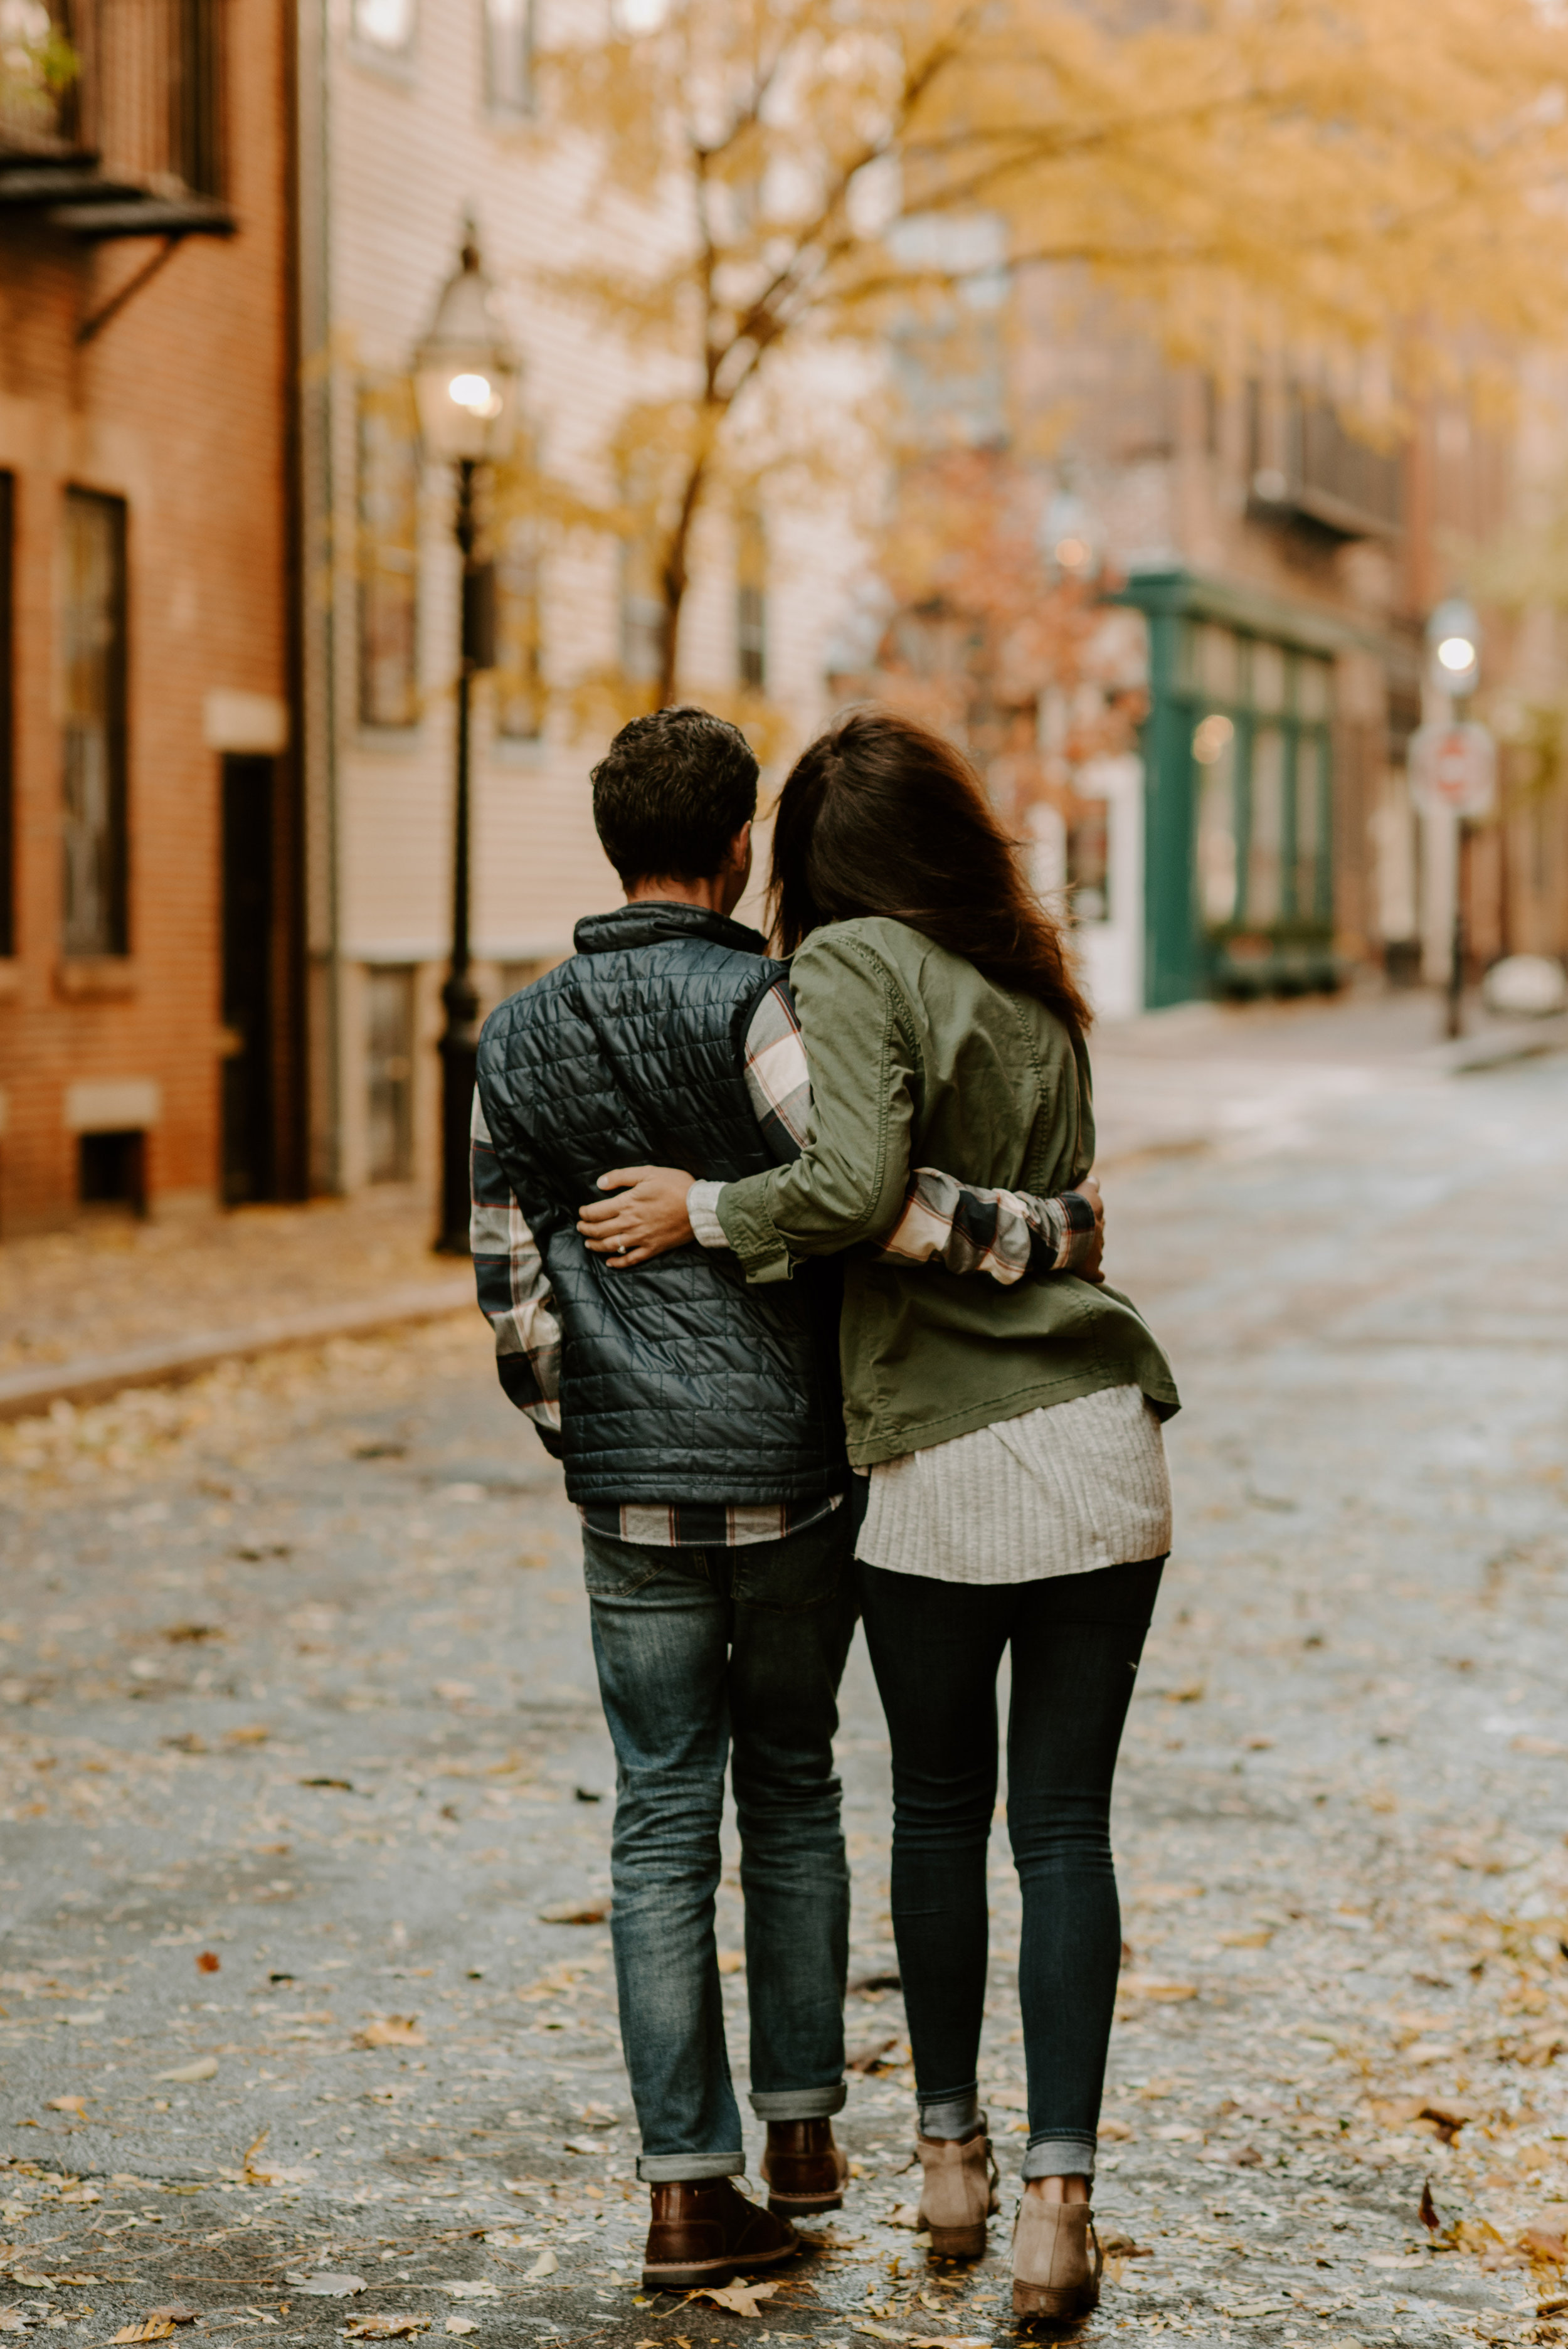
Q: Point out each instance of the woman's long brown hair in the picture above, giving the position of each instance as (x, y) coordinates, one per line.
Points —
(880, 816)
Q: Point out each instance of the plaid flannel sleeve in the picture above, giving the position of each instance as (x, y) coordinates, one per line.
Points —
(776, 1076)
(1004, 1234)
(513, 1287)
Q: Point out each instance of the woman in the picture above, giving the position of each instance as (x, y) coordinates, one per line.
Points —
(1016, 1493)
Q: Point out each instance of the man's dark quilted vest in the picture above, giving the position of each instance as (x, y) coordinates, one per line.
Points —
(677, 1382)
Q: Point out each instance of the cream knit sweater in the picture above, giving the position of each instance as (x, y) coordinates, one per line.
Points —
(1058, 1491)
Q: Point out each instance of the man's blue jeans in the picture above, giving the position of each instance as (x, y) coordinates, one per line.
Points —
(702, 1655)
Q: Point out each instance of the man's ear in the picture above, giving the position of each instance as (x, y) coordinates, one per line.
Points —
(740, 847)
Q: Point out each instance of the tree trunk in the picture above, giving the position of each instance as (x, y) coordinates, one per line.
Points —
(674, 579)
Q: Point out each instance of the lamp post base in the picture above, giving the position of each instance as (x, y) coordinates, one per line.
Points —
(458, 1049)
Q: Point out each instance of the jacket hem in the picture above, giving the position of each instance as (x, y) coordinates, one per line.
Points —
(868, 1451)
(724, 1491)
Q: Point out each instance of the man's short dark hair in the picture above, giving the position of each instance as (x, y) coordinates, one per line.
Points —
(671, 792)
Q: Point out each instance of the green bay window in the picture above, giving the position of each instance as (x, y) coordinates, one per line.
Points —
(1238, 772)
(1258, 715)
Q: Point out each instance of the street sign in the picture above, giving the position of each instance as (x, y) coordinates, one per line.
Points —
(1453, 767)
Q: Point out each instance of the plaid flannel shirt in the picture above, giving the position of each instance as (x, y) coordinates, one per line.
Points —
(1004, 1234)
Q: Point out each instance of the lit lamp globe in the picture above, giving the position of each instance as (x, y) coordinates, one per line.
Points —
(1453, 637)
(466, 370)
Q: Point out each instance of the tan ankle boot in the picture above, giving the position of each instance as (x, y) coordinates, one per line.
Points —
(1057, 2260)
(959, 2192)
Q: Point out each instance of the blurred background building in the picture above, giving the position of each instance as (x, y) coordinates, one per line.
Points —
(151, 1040)
(414, 117)
(230, 601)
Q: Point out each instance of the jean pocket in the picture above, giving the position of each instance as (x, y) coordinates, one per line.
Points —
(604, 1577)
(619, 1569)
(804, 1569)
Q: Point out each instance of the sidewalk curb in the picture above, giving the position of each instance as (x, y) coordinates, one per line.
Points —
(89, 1378)
(1494, 1049)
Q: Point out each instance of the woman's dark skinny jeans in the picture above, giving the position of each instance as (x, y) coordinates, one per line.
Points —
(937, 1647)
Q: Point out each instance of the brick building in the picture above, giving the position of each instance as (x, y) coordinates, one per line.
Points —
(149, 1035)
(1283, 570)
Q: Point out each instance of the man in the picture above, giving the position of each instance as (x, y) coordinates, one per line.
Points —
(700, 1426)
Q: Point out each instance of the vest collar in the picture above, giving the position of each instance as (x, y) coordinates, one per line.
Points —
(651, 922)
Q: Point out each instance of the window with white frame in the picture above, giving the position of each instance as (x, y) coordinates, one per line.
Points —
(519, 684)
(508, 28)
(751, 601)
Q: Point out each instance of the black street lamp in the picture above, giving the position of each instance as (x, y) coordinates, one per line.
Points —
(465, 385)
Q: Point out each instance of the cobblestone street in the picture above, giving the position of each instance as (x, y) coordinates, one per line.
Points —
(306, 1806)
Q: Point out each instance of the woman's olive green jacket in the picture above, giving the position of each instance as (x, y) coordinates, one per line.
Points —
(916, 1060)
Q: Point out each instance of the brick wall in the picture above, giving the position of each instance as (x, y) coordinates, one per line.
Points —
(178, 407)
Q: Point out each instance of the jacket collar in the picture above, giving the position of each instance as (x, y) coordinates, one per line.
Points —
(651, 922)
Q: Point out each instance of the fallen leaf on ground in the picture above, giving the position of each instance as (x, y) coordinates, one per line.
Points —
(66, 2105)
(208, 1962)
(391, 2031)
(574, 1912)
(175, 2309)
(1542, 2246)
(34, 2281)
(1428, 2213)
(584, 2145)
(1547, 1748)
(906, 2215)
(1117, 2131)
(870, 2059)
(151, 2328)
(1250, 1937)
(1448, 2118)
(461, 2324)
(462, 2287)
(11, 2321)
(545, 2264)
(329, 2286)
(732, 1961)
(205, 2067)
(740, 2299)
(255, 1733)
(1155, 1986)
(384, 2328)
(1160, 1896)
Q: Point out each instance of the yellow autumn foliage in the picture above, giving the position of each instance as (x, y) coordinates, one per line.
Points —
(1263, 177)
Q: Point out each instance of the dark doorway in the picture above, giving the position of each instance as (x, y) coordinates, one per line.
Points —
(248, 1122)
(112, 1171)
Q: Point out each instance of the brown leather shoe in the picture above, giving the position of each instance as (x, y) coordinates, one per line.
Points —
(804, 2169)
(705, 2233)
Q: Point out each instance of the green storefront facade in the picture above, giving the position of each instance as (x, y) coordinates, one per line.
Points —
(1238, 753)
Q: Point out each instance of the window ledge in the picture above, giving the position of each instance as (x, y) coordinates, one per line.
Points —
(96, 977)
(397, 739)
(396, 68)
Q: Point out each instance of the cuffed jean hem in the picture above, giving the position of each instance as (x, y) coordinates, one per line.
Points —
(1059, 2156)
(954, 2114)
(798, 2103)
(689, 2169)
